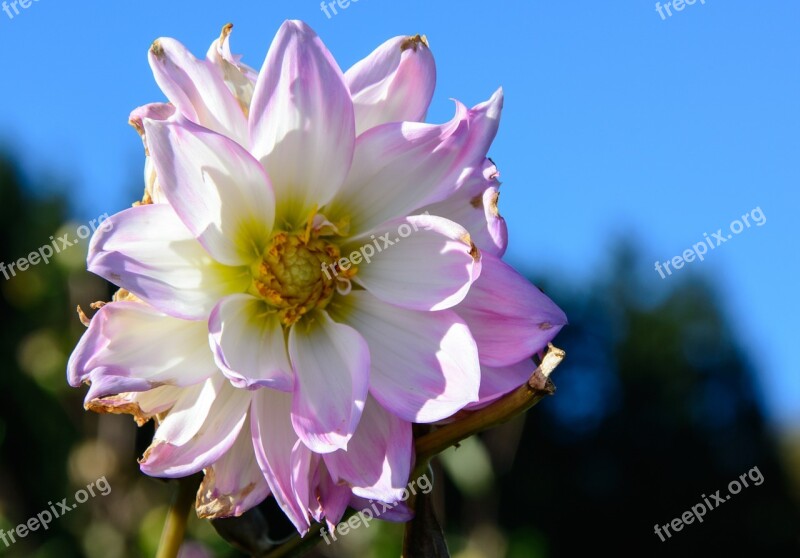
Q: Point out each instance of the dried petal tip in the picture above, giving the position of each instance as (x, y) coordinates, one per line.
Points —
(226, 30)
(85, 320)
(414, 42)
(157, 49)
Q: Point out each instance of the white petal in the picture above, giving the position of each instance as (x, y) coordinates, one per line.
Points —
(302, 126)
(130, 343)
(219, 191)
(394, 83)
(249, 344)
(186, 442)
(277, 451)
(331, 365)
(148, 251)
(424, 364)
(420, 262)
(196, 89)
(378, 459)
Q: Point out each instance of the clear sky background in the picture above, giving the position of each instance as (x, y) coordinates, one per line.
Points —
(617, 122)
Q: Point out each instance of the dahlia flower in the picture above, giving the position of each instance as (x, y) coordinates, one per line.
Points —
(312, 269)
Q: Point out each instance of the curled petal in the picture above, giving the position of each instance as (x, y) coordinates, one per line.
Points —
(130, 346)
(198, 431)
(197, 89)
(234, 484)
(394, 83)
(474, 206)
(240, 78)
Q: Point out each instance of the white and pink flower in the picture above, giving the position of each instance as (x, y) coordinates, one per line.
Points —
(263, 370)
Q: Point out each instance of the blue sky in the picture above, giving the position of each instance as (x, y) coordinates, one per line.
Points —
(616, 122)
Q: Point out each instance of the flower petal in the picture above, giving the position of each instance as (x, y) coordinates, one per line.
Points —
(378, 459)
(302, 126)
(424, 364)
(422, 262)
(194, 435)
(240, 78)
(136, 345)
(148, 251)
(331, 364)
(397, 511)
(394, 83)
(197, 89)
(509, 318)
(496, 382)
(277, 450)
(142, 405)
(474, 206)
(249, 344)
(400, 167)
(234, 484)
(219, 191)
(331, 499)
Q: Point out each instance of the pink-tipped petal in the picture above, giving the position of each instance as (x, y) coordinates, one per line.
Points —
(331, 364)
(424, 364)
(136, 345)
(378, 459)
(276, 447)
(149, 251)
(197, 89)
(397, 511)
(302, 127)
(422, 262)
(331, 498)
(194, 435)
(509, 318)
(216, 187)
(249, 344)
(401, 167)
(394, 83)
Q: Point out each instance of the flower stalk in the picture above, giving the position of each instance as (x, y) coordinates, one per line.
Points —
(177, 517)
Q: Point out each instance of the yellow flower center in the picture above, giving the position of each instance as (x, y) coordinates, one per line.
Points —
(294, 275)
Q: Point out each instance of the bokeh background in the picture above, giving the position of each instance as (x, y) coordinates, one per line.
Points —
(625, 138)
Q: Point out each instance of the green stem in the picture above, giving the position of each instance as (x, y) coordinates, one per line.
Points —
(177, 517)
